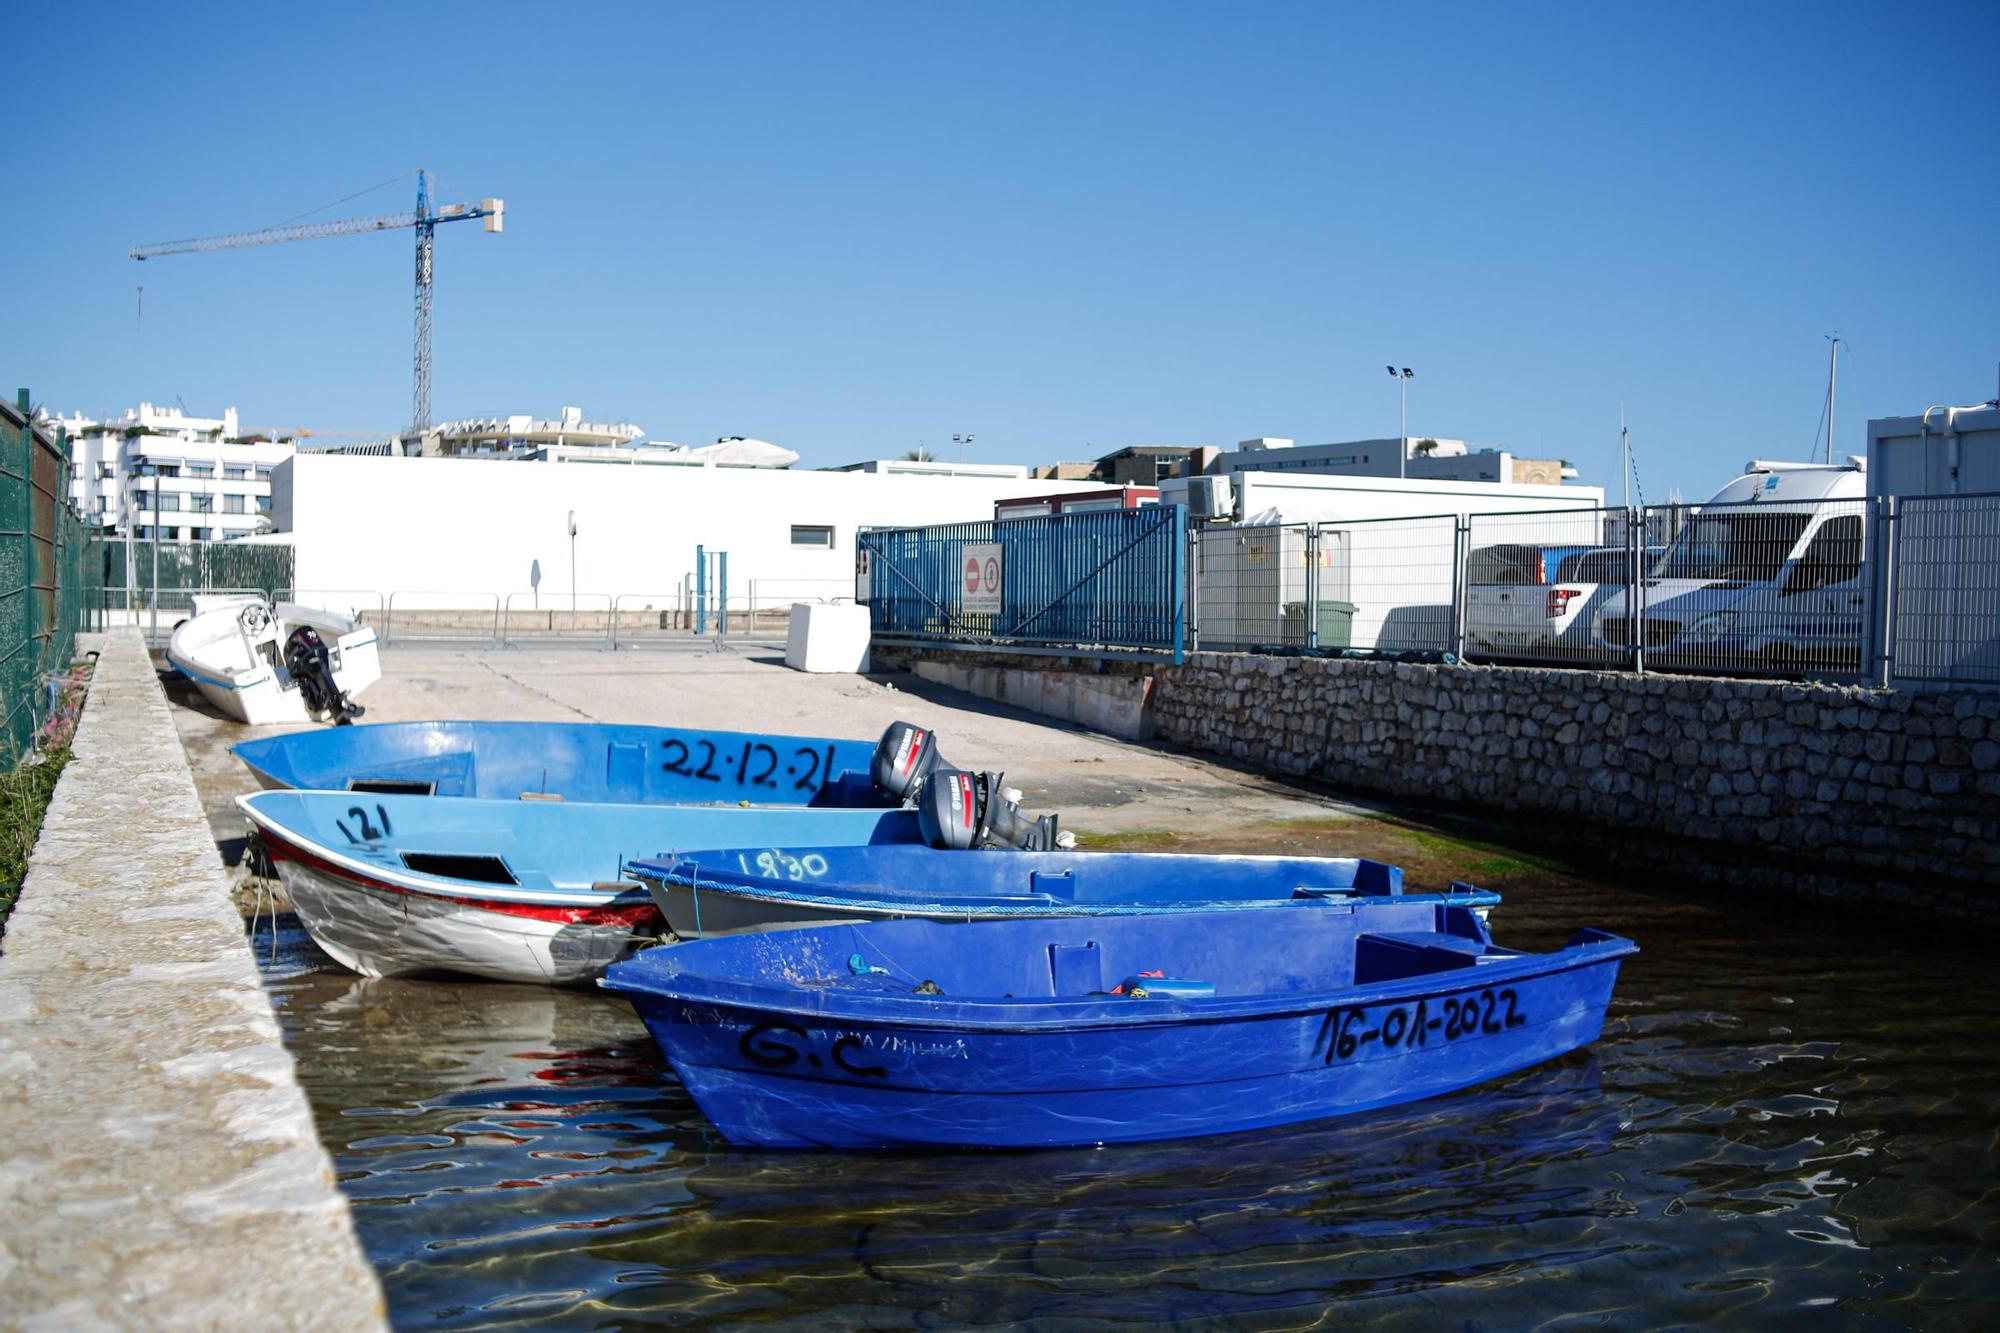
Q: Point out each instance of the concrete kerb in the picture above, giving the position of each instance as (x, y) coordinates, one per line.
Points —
(158, 1160)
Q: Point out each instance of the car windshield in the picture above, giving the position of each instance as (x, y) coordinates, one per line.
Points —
(1744, 546)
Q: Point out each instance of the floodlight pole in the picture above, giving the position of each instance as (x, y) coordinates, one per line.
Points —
(1402, 379)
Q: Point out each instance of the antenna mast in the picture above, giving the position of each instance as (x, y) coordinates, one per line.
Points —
(1832, 350)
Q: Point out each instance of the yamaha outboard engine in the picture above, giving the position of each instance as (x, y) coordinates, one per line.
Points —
(311, 669)
(904, 757)
(960, 811)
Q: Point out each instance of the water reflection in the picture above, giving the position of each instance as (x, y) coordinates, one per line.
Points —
(1782, 1117)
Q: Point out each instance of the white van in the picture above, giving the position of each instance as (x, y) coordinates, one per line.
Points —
(1767, 574)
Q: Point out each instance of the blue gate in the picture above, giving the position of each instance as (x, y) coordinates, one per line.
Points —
(1109, 581)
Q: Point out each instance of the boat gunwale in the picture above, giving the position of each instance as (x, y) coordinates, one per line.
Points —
(1059, 1012)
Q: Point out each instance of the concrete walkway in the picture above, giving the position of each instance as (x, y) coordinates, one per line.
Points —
(158, 1161)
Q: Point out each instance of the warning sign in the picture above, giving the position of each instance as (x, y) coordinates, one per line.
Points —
(979, 583)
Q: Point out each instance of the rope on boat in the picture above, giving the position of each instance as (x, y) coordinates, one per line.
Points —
(263, 890)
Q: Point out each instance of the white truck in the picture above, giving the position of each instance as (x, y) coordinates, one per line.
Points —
(1766, 575)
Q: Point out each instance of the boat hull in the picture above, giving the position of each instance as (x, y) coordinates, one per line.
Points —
(528, 891)
(385, 930)
(571, 761)
(812, 1069)
(729, 891)
(240, 672)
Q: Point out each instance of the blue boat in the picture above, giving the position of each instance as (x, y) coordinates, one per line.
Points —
(529, 891)
(571, 761)
(708, 893)
(1069, 1031)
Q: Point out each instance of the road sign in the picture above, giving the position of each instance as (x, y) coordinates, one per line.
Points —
(980, 580)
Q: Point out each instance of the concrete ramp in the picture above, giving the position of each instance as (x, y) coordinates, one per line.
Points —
(158, 1161)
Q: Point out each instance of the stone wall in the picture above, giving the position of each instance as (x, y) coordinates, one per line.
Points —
(1866, 798)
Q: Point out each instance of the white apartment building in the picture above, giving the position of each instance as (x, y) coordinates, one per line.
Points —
(521, 434)
(1429, 459)
(159, 470)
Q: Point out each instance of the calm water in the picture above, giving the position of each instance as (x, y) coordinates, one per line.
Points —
(1781, 1122)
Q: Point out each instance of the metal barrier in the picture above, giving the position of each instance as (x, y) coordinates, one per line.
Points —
(1111, 582)
(450, 623)
(1887, 591)
(1941, 568)
(550, 625)
(659, 618)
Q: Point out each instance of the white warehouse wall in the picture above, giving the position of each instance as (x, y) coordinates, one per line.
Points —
(448, 532)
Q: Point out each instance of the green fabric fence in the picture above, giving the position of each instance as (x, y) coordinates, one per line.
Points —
(51, 576)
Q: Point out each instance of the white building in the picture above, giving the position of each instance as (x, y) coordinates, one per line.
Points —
(521, 434)
(1429, 459)
(933, 467)
(473, 533)
(187, 478)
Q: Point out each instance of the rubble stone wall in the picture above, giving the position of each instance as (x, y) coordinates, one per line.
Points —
(1868, 798)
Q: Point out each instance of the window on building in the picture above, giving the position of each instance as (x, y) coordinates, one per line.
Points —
(200, 534)
(166, 504)
(263, 504)
(232, 504)
(166, 469)
(199, 469)
(808, 534)
(201, 504)
(263, 471)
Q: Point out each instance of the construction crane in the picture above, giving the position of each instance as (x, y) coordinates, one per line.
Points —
(423, 218)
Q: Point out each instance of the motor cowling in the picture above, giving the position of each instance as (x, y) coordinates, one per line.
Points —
(904, 757)
(961, 811)
(311, 669)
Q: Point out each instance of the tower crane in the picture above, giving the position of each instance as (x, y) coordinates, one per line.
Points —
(424, 218)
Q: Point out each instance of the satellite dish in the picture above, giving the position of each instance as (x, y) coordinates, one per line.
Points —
(572, 523)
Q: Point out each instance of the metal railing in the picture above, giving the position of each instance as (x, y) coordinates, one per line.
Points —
(1888, 591)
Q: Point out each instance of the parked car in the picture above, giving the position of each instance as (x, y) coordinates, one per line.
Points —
(1506, 601)
(1766, 576)
(1583, 584)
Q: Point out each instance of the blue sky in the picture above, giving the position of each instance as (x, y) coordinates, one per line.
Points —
(1064, 228)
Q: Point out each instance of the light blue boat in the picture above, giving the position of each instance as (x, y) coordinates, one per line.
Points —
(570, 761)
(514, 890)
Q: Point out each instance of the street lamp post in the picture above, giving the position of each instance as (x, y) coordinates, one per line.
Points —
(1402, 378)
(153, 594)
(572, 569)
(961, 441)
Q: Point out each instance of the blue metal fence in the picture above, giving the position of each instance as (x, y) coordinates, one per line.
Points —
(1110, 581)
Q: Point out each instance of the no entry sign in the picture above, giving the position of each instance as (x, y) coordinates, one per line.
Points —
(980, 580)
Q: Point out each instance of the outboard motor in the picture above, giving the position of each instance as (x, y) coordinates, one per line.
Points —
(960, 811)
(904, 757)
(311, 669)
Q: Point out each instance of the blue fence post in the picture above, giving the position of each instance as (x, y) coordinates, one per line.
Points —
(701, 590)
(1177, 594)
(722, 593)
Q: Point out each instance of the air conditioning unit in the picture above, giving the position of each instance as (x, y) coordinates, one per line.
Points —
(1205, 497)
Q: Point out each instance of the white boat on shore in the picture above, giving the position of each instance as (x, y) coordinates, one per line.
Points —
(275, 662)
